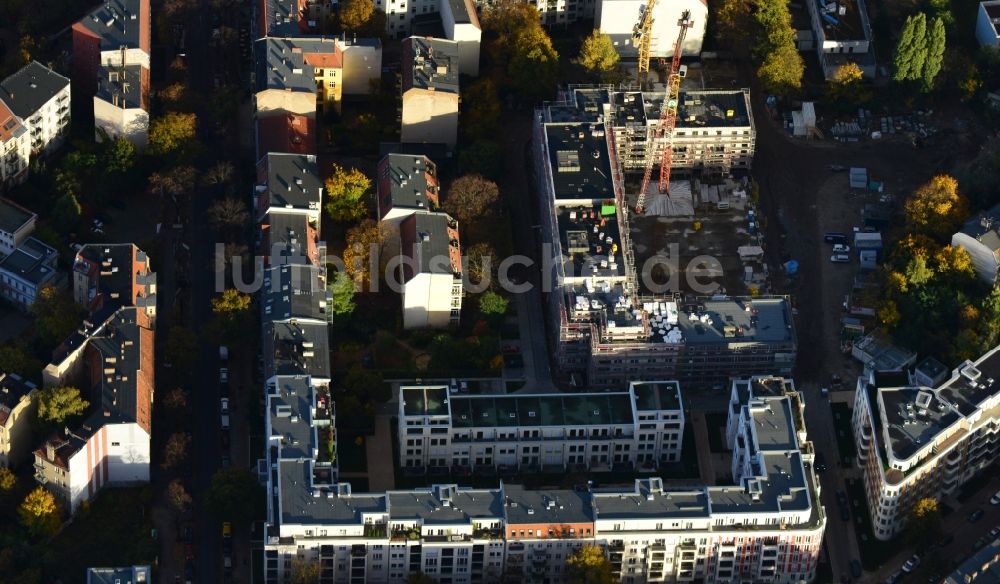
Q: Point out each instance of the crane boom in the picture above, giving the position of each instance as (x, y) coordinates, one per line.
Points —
(642, 32)
(668, 119)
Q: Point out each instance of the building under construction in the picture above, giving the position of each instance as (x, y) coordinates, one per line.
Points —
(607, 331)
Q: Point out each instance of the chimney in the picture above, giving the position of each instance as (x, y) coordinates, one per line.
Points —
(50, 451)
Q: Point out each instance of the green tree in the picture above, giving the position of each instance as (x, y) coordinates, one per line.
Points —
(911, 49)
(480, 110)
(598, 55)
(16, 358)
(782, 69)
(355, 14)
(588, 565)
(56, 315)
(731, 18)
(66, 213)
(342, 294)
(470, 197)
(935, 54)
(534, 65)
(235, 495)
(989, 322)
(56, 404)
(172, 133)
(845, 86)
(118, 155)
(363, 240)
(924, 523)
(8, 480)
(492, 304)
(368, 385)
(346, 193)
(936, 208)
(233, 321)
(39, 513)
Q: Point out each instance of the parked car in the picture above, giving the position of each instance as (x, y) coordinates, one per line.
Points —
(976, 515)
(840, 258)
(223, 353)
(841, 248)
(223, 375)
(225, 421)
(995, 499)
(893, 578)
(835, 237)
(911, 564)
(224, 405)
(856, 570)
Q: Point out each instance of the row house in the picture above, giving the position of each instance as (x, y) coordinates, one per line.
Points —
(34, 118)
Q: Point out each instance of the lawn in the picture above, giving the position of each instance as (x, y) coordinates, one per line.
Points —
(845, 436)
(874, 553)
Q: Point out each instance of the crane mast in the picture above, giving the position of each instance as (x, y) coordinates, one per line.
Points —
(642, 32)
(668, 119)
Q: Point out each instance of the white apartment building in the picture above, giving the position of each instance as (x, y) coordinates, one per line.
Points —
(842, 34)
(767, 527)
(15, 149)
(39, 97)
(618, 18)
(23, 273)
(639, 428)
(919, 442)
(430, 69)
(406, 184)
(430, 270)
(16, 224)
(118, 108)
(461, 24)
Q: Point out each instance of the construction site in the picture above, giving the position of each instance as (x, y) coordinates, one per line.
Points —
(627, 242)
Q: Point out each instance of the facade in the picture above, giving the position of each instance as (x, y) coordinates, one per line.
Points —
(17, 408)
(842, 35)
(618, 19)
(126, 575)
(430, 69)
(15, 150)
(918, 442)
(23, 274)
(109, 276)
(16, 224)
(980, 236)
(461, 24)
(114, 363)
(982, 567)
(986, 23)
(39, 97)
(608, 331)
(767, 527)
(111, 49)
(637, 429)
(406, 184)
(430, 271)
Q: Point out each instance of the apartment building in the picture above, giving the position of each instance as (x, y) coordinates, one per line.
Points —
(112, 364)
(15, 149)
(28, 269)
(123, 575)
(281, 18)
(918, 442)
(17, 408)
(842, 34)
(987, 18)
(111, 48)
(288, 134)
(406, 184)
(461, 24)
(430, 271)
(608, 330)
(111, 275)
(766, 527)
(430, 69)
(636, 429)
(618, 20)
(16, 224)
(40, 98)
(288, 183)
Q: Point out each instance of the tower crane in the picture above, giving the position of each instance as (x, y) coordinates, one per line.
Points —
(668, 118)
(642, 33)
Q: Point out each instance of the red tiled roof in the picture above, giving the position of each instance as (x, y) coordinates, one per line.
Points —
(290, 134)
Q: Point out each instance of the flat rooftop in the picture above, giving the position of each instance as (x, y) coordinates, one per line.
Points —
(432, 240)
(13, 216)
(293, 291)
(291, 422)
(430, 64)
(33, 262)
(293, 181)
(580, 409)
(914, 417)
(425, 400)
(737, 321)
(578, 156)
(591, 241)
(408, 181)
(117, 23)
(464, 12)
(296, 348)
(707, 109)
(842, 20)
(657, 395)
(444, 505)
(543, 506)
(121, 90)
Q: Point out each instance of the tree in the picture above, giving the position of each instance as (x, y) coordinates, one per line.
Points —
(178, 496)
(731, 20)
(354, 14)
(231, 304)
(228, 213)
(364, 241)
(481, 263)
(480, 111)
(66, 213)
(177, 182)
(235, 495)
(233, 321)
(911, 49)
(176, 399)
(534, 64)
(936, 208)
(924, 523)
(56, 404)
(56, 315)
(470, 197)
(176, 450)
(368, 385)
(220, 173)
(8, 480)
(782, 69)
(305, 571)
(172, 133)
(482, 157)
(342, 294)
(15, 358)
(598, 55)
(182, 348)
(174, 95)
(39, 513)
(346, 193)
(844, 85)
(118, 154)
(588, 565)
(493, 304)
(935, 54)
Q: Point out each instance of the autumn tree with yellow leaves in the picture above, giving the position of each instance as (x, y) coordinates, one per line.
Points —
(936, 208)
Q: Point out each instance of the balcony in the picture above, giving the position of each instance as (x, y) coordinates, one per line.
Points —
(483, 533)
(376, 530)
(327, 445)
(405, 533)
